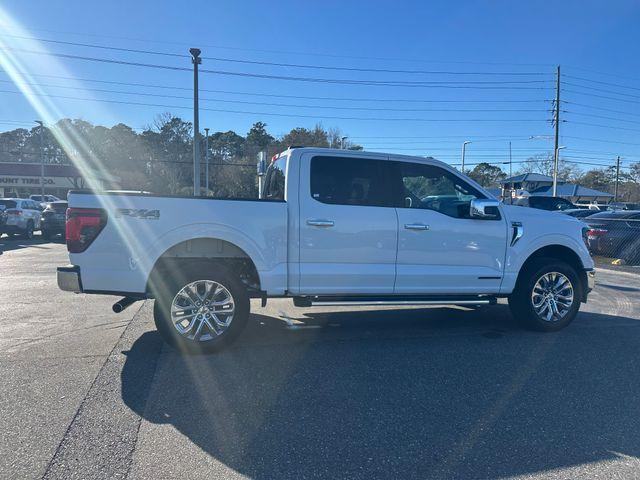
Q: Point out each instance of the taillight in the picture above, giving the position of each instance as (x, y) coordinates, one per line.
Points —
(593, 233)
(83, 226)
(14, 212)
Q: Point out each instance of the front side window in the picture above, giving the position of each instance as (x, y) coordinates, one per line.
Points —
(274, 181)
(349, 181)
(433, 188)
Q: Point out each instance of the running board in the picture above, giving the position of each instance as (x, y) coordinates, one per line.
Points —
(362, 301)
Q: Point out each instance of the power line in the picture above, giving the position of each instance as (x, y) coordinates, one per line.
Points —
(602, 109)
(288, 105)
(600, 83)
(395, 58)
(604, 117)
(259, 94)
(605, 126)
(605, 74)
(278, 64)
(604, 90)
(282, 114)
(458, 84)
(595, 95)
(600, 140)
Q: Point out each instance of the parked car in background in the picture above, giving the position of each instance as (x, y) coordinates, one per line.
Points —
(546, 203)
(624, 206)
(52, 220)
(23, 216)
(43, 200)
(580, 212)
(3, 218)
(615, 234)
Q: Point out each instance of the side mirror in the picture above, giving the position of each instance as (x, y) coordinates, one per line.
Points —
(484, 209)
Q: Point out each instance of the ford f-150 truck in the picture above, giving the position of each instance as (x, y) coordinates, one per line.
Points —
(332, 227)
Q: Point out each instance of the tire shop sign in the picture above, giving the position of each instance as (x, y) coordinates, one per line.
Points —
(22, 181)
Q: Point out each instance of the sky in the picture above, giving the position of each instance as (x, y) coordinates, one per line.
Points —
(406, 77)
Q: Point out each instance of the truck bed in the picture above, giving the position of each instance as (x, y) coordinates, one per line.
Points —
(142, 227)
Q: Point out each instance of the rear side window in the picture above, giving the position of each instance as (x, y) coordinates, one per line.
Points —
(59, 207)
(7, 204)
(274, 180)
(349, 181)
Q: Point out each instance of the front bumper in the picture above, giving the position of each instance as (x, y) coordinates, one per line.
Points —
(69, 279)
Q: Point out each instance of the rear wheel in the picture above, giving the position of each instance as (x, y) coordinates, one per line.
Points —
(201, 311)
(547, 295)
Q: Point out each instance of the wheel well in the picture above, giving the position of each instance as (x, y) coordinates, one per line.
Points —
(565, 254)
(203, 253)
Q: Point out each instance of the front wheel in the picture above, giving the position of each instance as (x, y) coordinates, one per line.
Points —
(547, 295)
(201, 311)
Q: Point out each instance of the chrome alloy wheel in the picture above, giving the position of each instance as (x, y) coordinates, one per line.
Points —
(202, 310)
(552, 296)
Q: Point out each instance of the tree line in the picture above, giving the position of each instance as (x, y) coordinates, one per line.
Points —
(159, 158)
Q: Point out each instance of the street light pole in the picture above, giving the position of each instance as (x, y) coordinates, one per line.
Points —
(206, 159)
(39, 122)
(195, 54)
(464, 147)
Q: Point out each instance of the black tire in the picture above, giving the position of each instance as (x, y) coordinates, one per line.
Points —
(28, 233)
(521, 302)
(165, 296)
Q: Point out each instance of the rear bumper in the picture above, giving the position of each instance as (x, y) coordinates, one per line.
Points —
(69, 279)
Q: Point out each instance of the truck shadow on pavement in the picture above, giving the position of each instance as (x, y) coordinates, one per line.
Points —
(8, 244)
(418, 393)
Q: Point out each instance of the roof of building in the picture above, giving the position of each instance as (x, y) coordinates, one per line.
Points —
(527, 177)
(570, 190)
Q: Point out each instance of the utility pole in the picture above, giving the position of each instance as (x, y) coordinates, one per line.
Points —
(464, 146)
(206, 159)
(195, 54)
(39, 122)
(615, 191)
(557, 134)
(510, 160)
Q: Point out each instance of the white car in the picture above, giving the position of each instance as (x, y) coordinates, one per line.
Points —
(332, 227)
(43, 201)
(23, 216)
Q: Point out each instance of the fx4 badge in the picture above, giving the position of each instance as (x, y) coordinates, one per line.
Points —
(141, 213)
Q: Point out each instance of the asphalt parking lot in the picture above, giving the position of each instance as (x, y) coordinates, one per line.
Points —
(313, 393)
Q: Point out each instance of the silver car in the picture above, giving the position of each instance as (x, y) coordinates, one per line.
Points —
(23, 216)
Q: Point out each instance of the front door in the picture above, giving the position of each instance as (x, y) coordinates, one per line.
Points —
(441, 250)
(348, 229)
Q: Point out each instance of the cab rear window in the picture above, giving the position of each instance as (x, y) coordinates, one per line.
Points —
(274, 181)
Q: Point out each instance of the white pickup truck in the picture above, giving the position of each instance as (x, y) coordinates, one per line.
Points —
(333, 227)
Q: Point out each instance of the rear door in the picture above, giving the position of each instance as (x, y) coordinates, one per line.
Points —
(348, 227)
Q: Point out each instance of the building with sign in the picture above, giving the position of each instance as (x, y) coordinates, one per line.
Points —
(24, 179)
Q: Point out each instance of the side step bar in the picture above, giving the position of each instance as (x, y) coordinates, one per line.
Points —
(360, 301)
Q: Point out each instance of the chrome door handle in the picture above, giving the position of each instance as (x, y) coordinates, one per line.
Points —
(416, 226)
(320, 223)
